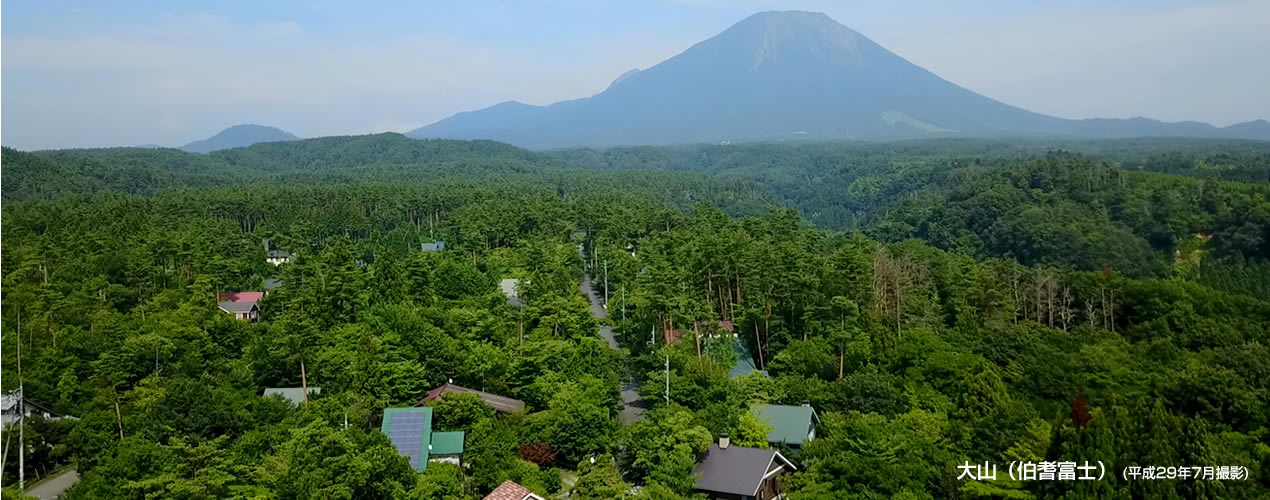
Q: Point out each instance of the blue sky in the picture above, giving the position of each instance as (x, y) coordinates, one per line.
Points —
(81, 74)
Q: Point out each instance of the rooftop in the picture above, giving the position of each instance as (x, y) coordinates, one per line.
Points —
(293, 394)
(511, 491)
(241, 296)
(501, 403)
(447, 443)
(238, 307)
(790, 424)
(736, 470)
(744, 360)
(410, 431)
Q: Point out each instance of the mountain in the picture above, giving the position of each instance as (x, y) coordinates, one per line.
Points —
(785, 75)
(238, 136)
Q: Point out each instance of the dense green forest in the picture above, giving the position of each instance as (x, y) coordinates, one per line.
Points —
(1084, 206)
(936, 302)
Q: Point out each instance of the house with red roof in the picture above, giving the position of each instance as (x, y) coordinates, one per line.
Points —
(512, 491)
(242, 305)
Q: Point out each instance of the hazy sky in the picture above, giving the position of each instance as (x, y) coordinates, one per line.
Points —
(78, 74)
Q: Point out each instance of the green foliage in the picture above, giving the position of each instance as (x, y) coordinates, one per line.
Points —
(664, 444)
(751, 432)
(442, 481)
(459, 411)
(982, 287)
(321, 461)
(599, 480)
(575, 426)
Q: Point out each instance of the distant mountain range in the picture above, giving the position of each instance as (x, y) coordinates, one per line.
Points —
(238, 136)
(787, 75)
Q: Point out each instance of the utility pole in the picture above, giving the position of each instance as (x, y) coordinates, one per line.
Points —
(606, 284)
(21, 418)
(668, 378)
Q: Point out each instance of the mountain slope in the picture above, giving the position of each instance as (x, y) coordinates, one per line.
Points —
(781, 75)
(238, 136)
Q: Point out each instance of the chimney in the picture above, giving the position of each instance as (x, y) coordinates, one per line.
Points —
(724, 441)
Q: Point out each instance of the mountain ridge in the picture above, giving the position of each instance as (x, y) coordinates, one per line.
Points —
(786, 75)
(238, 136)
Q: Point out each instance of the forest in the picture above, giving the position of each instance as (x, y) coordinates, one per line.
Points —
(935, 302)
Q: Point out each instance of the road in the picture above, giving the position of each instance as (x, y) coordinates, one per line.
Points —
(54, 486)
(632, 407)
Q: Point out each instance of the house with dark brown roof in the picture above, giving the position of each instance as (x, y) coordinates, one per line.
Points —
(501, 403)
(742, 473)
(512, 491)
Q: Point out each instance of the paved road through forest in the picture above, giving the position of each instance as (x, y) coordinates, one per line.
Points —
(54, 487)
(632, 407)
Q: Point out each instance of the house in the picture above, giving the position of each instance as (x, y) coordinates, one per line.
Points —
(742, 473)
(446, 447)
(410, 431)
(435, 246)
(501, 403)
(744, 361)
(512, 491)
(242, 305)
(295, 395)
(510, 287)
(271, 283)
(277, 257)
(11, 412)
(791, 425)
(674, 336)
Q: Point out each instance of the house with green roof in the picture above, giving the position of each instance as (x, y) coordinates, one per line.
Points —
(410, 431)
(446, 447)
(791, 425)
(744, 361)
(293, 395)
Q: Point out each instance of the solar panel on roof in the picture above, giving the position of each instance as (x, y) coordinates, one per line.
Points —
(406, 430)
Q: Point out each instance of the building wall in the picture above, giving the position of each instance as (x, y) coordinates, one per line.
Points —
(449, 459)
(710, 495)
(771, 488)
